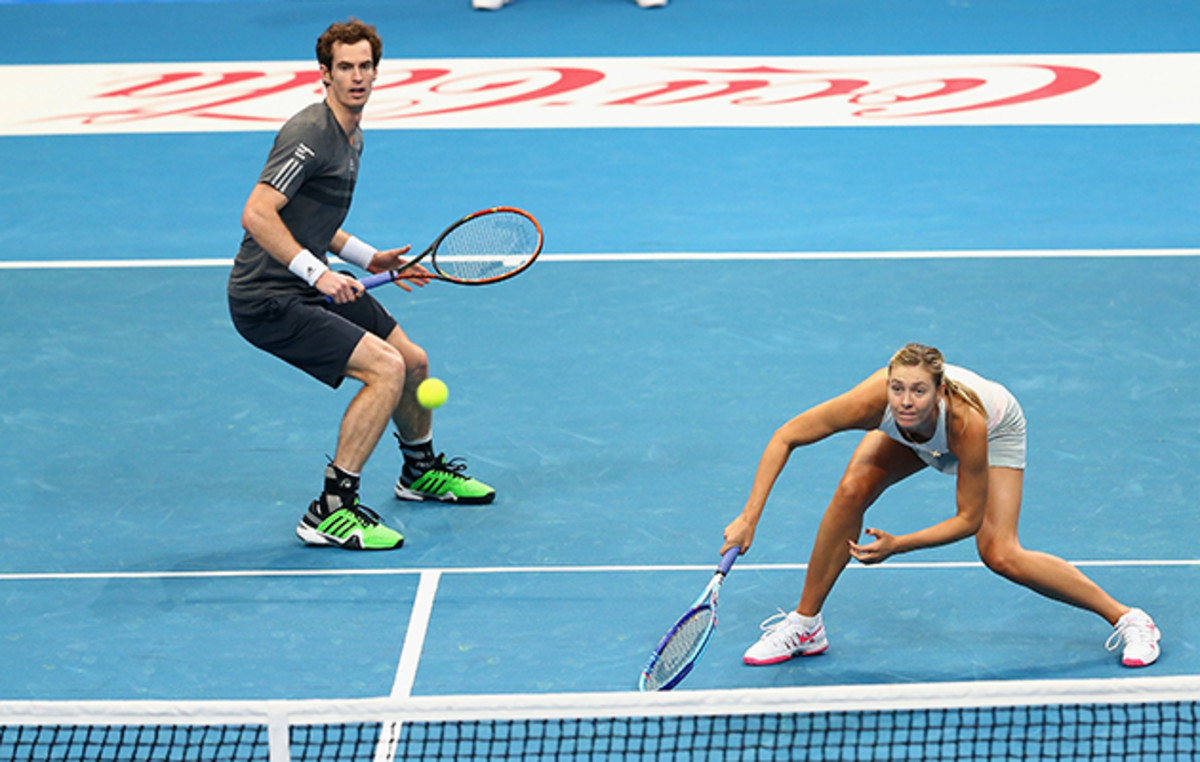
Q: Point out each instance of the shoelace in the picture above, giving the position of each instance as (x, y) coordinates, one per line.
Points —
(364, 514)
(1131, 633)
(454, 466)
(774, 623)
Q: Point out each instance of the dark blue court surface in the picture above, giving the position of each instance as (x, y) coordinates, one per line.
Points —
(154, 465)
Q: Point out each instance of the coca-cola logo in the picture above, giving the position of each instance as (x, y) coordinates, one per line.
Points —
(665, 92)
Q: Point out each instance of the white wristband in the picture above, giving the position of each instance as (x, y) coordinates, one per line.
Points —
(307, 267)
(356, 252)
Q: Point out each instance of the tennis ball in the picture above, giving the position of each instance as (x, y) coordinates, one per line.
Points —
(432, 393)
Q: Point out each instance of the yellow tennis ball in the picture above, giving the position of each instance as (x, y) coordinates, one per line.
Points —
(432, 393)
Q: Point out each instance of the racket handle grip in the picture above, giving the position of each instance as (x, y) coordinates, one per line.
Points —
(728, 559)
(371, 281)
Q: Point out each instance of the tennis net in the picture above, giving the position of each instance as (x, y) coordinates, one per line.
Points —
(1117, 719)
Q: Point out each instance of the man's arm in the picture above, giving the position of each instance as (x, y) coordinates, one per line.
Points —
(260, 218)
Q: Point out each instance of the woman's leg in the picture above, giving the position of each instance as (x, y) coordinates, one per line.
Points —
(878, 462)
(1049, 575)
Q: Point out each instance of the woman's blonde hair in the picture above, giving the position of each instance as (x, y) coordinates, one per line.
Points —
(929, 358)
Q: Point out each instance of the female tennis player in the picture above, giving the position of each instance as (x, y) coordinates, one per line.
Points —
(918, 412)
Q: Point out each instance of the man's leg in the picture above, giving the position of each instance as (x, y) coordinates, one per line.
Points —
(337, 517)
(426, 475)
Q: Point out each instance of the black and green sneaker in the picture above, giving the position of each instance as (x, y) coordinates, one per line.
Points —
(337, 518)
(355, 527)
(444, 481)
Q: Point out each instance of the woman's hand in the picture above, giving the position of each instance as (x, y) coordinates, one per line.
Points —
(875, 552)
(739, 534)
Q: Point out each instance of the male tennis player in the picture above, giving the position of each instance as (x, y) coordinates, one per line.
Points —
(277, 298)
(918, 412)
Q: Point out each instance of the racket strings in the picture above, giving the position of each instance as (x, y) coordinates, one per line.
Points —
(487, 246)
(681, 647)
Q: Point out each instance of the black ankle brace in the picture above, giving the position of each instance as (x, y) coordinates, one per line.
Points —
(341, 486)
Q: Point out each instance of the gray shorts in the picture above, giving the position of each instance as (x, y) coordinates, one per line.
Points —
(1006, 442)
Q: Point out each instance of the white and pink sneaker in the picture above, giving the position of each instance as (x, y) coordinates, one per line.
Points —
(1137, 631)
(785, 636)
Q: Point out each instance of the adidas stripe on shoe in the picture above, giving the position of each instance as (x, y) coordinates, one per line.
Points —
(445, 481)
(353, 528)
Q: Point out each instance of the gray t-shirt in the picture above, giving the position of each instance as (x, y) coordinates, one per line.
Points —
(315, 166)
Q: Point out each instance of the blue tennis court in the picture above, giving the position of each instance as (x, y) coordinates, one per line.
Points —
(700, 286)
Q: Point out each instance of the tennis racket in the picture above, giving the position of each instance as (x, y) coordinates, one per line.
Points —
(684, 644)
(485, 247)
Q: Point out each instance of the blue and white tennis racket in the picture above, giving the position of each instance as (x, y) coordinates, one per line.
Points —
(684, 644)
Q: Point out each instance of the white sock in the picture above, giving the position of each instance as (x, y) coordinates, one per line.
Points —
(803, 621)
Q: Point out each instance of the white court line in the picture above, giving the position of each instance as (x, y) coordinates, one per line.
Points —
(435, 573)
(414, 637)
(711, 256)
(111, 264)
(774, 256)
(410, 660)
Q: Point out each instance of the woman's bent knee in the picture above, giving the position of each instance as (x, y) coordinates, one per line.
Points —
(1003, 558)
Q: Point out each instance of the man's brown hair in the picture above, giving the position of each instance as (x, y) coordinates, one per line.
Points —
(348, 32)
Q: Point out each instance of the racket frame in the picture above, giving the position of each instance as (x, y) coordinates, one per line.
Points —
(706, 601)
(371, 281)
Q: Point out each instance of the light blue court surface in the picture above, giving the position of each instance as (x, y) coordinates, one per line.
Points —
(154, 465)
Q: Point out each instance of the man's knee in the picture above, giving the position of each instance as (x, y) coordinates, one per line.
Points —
(378, 363)
(416, 359)
(417, 362)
